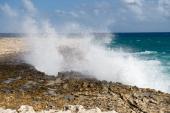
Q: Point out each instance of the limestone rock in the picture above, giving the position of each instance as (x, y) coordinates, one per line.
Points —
(66, 109)
(26, 109)
(42, 92)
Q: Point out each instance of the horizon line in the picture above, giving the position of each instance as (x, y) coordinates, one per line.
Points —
(86, 32)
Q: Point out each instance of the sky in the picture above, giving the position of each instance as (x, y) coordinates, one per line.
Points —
(99, 15)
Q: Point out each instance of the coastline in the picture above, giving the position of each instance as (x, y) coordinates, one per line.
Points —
(21, 84)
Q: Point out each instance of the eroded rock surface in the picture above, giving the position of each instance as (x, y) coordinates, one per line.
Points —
(21, 84)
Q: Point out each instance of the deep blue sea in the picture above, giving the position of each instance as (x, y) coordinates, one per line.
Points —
(149, 46)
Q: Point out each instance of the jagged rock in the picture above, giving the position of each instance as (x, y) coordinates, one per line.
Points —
(41, 91)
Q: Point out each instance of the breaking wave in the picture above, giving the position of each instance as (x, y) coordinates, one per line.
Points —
(52, 52)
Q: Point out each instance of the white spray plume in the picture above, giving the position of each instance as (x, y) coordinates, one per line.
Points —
(51, 52)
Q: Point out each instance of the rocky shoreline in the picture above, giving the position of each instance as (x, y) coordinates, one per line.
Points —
(22, 84)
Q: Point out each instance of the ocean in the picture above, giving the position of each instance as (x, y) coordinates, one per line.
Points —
(149, 46)
(152, 51)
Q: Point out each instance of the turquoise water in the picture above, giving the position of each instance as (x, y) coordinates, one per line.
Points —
(149, 46)
(129, 58)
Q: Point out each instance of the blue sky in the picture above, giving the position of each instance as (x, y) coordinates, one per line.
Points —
(113, 15)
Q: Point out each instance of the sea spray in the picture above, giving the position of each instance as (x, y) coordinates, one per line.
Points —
(84, 54)
(52, 52)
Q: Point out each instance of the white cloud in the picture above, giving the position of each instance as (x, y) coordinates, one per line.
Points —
(29, 6)
(164, 7)
(74, 14)
(97, 16)
(133, 2)
(8, 10)
(146, 10)
(60, 12)
(136, 6)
